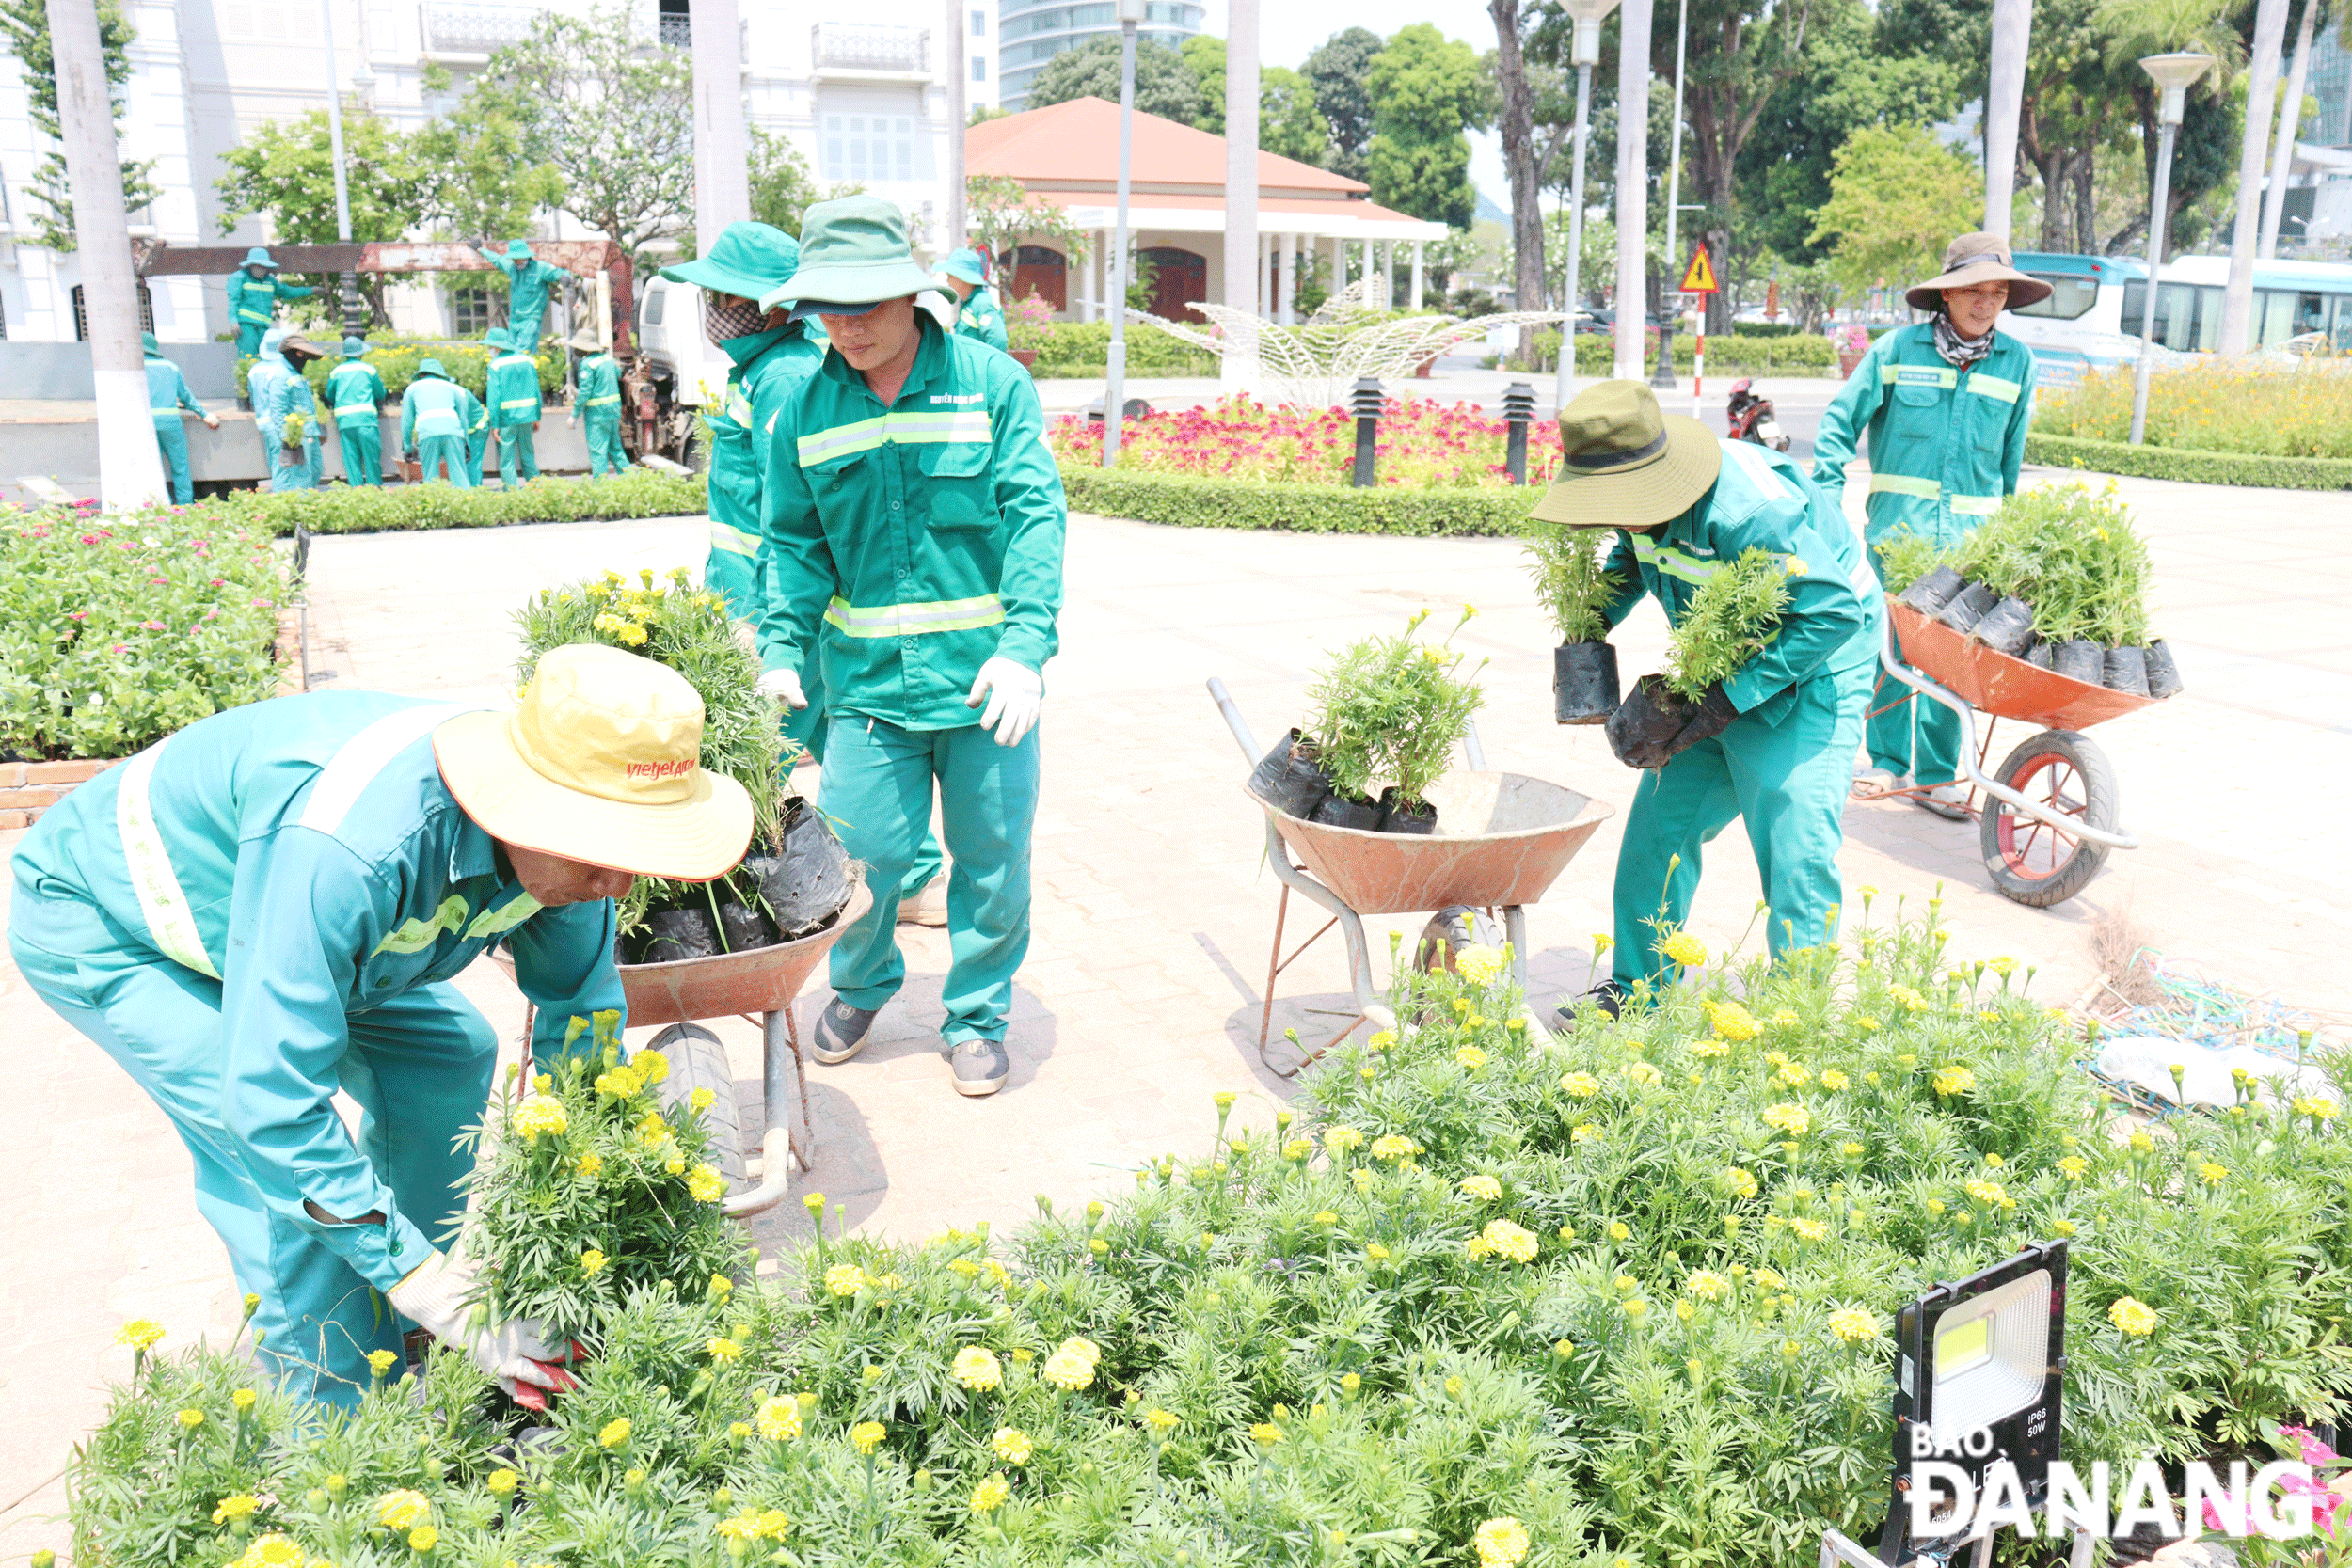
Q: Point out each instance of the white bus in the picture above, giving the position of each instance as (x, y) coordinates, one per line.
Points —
(2091, 319)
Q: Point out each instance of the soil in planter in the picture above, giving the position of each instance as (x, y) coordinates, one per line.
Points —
(1583, 683)
(2126, 671)
(675, 934)
(1290, 779)
(1934, 590)
(805, 884)
(1967, 607)
(1398, 816)
(1645, 722)
(2164, 676)
(2040, 656)
(2078, 658)
(2006, 628)
(1347, 811)
(745, 927)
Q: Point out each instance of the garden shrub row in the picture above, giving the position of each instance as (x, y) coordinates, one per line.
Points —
(362, 509)
(2189, 468)
(1068, 349)
(1797, 354)
(468, 364)
(1184, 501)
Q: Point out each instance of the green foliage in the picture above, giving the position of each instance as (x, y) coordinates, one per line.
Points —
(1163, 86)
(1289, 124)
(781, 187)
(1426, 90)
(1339, 70)
(2071, 554)
(1570, 582)
(285, 170)
(395, 359)
(1082, 349)
(2213, 407)
(117, 631)
(594, 1189)
(1746, 352)
(2187, 466)
(370, 509)
(999, 213)
(1392, 708)
(1903, 559)
(1183, 501)
(486, 175)
(26, 25)
(1733, 613)
(1893, 191)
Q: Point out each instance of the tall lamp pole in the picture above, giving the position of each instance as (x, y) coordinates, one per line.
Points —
(1115, 387)
(1665, 377)
(2173, 73)
(1588, 15)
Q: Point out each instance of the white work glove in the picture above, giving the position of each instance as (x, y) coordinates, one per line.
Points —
(1014, 693)
(435, 1297)
(784, 683)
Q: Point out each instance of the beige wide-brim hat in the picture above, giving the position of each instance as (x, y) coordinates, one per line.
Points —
(601, 763)
(1624, 464)
(1975, 259)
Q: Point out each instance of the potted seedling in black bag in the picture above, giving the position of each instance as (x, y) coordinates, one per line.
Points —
(1572, 583)
(2067, 566)
(1913, 570)
(1389, 708)
(1733, 615)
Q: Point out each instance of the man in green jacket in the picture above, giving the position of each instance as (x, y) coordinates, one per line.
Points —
(1774, 742)
(528, 281)
(254, 290)
(512, 397)
(914, 514)
(355, 394)
(167, 394)
(433, 416)
(597, 400)
(281, 399)
(978, 316)
(1946, 402)
(476, 415)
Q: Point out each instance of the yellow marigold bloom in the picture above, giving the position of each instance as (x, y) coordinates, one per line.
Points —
(705, 1186)
(1068, 1371)
(1850, 1149)
(775, 1522)
(236, 1506)
(1380, 1039)
(978, 1368)
(1502, 1544)
(1835, 1081)
(865, 1436)
(1767, 1280)
(1583, 1132)
(1741, 1180)
(651, 1064)
(615, 1433)
(740, 1530)
(146, 1332)
(1100, 1247)
(2316, 1106)
(723, 1350)
(2074, 1165)
(591, 1163)
(1393, 1145)
(778, 1419)
(1478, 964)
(1811, 1230)
(846, 1279)
(700, 1100)
(1469, 1057)
(1707, 1285)
(2143, 1144)
(2063, 1227)
(991, 1494)
(1376, 1252)
(1484, 1188)
(675, 1165)
(620, 1083)
(1786, 1019)
(1579, 1085)
(382, 1361)
(270, 1551)
(1635, 1307)
(1325, 1216)
(1620, 1231)
(2132, 1316)
(1707, 1049)
(1341, 1140)
(591, 1262)
(2213, 1174)
(1730, 1019)
(424, 1537)
(538, 1114)
(1954, 1080)
(1683, 1308)
(1684, 949)
(1507, 1240)
(1990, 1193)
(964, 1268)
(1012, 1445)
(500, 1482)
(1788, 1116)
(1225, 1099)
(1642, 1073)
(191, 1418)
(1161, 1423)
(1265, 1433)
(403, 1509)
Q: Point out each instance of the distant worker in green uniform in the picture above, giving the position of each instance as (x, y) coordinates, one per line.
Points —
(355, 391)
(281, 398)
(978, 315)
(1946, 402)
(598, 403)
(528, 282)
(433, 418)
(476, 415)
(167, 394)
(1772, 743)
(914, 520)
(254, 290)
(512, 397)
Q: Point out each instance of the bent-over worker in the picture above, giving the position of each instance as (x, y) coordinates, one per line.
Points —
(433, 413)
(167, 396)
(277, 398)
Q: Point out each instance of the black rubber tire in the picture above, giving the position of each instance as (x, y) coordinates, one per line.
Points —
(698, 1061)
(2007, 837)
(1449, 931)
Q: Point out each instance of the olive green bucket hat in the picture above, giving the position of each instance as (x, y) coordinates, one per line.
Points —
(750, 260)
(853, 251)
(1624, 464)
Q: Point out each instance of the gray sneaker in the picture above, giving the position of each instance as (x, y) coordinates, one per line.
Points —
(841, 1032)
(980, 1067)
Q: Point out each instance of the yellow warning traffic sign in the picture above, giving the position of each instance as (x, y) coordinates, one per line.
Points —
(1699, 276)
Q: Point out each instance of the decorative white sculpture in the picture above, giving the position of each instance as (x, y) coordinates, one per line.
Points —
(1313, 365)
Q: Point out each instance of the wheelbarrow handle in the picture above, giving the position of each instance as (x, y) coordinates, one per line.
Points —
(1251, 751)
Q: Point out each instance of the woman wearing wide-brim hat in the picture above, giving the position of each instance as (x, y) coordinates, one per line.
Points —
(1946, 402)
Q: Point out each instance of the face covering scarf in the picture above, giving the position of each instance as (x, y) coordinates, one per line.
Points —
(1959, 351)
(727, 316)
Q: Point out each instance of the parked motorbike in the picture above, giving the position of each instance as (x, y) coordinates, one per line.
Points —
(1752, 418)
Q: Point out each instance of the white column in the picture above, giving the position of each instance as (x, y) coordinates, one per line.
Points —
(2261, 107)
(1266, 276)
(2013, 27)
(1387, 276)
(1286, 282)
(959, 30)
(1338, 266)
(722, 191)
(1241, 154)
(1632, 189)
(1421, 275)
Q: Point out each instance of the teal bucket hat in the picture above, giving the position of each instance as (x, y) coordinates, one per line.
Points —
(495, 338)
(853, 251)
(258, 257)
(431, 367)
(519, 250)
(750, 260)
(354, 347)
(155, 350)
(966, 264)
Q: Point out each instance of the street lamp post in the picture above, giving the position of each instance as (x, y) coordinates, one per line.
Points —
(1115, 389)
(353, 318)
(1588, 16)
(2173, 73)
(1664, 378)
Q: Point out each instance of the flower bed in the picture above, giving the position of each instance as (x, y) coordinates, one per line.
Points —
(1625, 1298)
(115, 633)
(2250, 408)
(1422, 445)
(2188, 467)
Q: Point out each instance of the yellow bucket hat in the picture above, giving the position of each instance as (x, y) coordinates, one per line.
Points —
(1624, 464)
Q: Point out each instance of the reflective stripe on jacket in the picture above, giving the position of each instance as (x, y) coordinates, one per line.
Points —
(355, 391)
(765, 367)
(513, 390)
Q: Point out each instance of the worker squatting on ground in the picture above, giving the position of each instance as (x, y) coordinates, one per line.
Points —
(597, 401)
(528, 280)
(1946, 402)
(279, 391)
(254, 290)
(914, 523)
(1774, 742)
(977, 315)
(167, 396)
(271, 905)
(512, 397)
(435, 414)
(356, 395)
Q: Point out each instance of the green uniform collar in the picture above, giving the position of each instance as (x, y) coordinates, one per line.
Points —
(927, 360)
(742, 351)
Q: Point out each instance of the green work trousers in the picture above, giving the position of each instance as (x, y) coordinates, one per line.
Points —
(446, 453)
(301, 474)
(250, 338)
(477, 452)
(515, 449)
(363, 450)
(604, 441)
(805, 728)
(878, 787)
(1908, 735)
(1788, 780)
(419, 1065)
(172, 440)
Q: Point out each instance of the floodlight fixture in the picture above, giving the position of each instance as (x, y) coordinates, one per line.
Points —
(2175, 74)
(1588, 15)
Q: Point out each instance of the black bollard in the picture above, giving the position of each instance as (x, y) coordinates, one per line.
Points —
(1519, 409)
(1364, 402)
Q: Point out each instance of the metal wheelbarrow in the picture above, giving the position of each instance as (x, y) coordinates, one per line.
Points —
(1501, 840)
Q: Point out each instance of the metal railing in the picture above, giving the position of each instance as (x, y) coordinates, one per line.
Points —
(475, 29)
(856, 46)
(676, 32)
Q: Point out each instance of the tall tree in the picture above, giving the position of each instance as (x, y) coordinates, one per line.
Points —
(2205, 148)
(1426, 91)
(286, 170)
(1894, 193)
(1289, 124)
(1516, 119)
(1163, 86)
(482, 174)
(26, 24)
(1339, 68)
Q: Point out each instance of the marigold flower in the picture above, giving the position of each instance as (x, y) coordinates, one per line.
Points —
(1393, 1146)
(1340, 1140)
(976, 1368)
(1325, 1216)
(865, 1436)
(1478, 964)
(269, 1551)
(2132, 1316)
(1620, 1231)
(1071, 1368)
(2213, 1174)
(991, 1494)
(1583, 1133)
(846, 1279)
(1767, 1280)
(1505, 1239)
(1376, 1252)
(1835, 1081)
(1810, 1230)
(739, 1529)
(1484, 1188)
(1579, 1085)
(1683, 948)
(778, 1419)
(191, 1418)
(500, 1482)
(1634, 1307)
(235, 1508)
(424, 1538)
(723, 1350)
(538, 1114)
(1502, 1543)
(1954, 1080)
(2063, 1227)
(1730, 1019)
(1225, 1099)
(1265, 1433)
(146, 1332)
(2143, 1144)
(651, 1064)
(1642, 1073)
(705, 1186)
(2316, 1106)
(615, 1433)
(1991, 1193)
(1161, 1423)
(1707, 1285)
(591, 1262)
(1469, 1057)
(403, 1509)
(620, 1083)
(1012, 1445)
(1741, 1180)
(1789, 1117)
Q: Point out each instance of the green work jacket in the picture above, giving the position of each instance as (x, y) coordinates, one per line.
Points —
(432, 406)
(982, 318)
(924, 538)
(599, 385)
(168, 392)
(255, 300)
(1760, 501)
(304, 855)
(526, 283)
(513, 391)
(765, 367)
(1946, 444)
(355, 392)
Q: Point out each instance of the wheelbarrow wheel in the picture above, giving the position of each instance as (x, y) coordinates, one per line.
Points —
(2035, 863)
(698, 1061)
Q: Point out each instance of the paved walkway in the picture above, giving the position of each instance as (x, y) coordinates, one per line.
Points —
(1142, 992)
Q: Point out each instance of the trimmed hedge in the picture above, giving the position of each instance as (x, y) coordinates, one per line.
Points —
(2189, 468)
(467, 363)
(638, 493)
(1083, 349)
(1186, 501)
(1740, 353)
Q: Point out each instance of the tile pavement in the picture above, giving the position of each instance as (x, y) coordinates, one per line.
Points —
(1142, 989)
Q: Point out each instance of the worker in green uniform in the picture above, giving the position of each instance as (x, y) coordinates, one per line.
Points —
(476, 415)
(1772, 743)
(597, 401)
(167, 394)
(528, 281)
(254, 290)
(433, 420)
(269, 910)
(512, 397)
(1946, 402)
(279, 398)
(355, 391)
(977, 315)
(914, 513)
